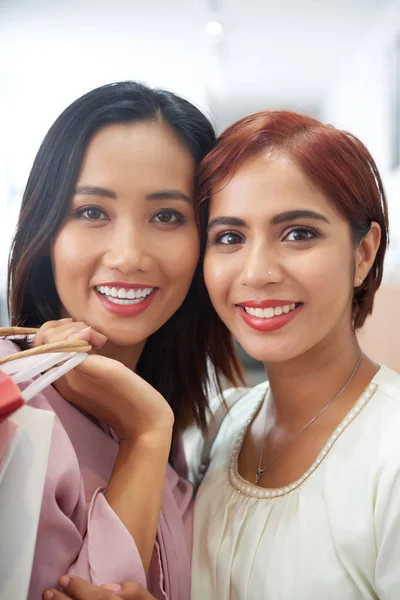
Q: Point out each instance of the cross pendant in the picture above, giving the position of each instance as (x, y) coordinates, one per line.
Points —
(259, 474)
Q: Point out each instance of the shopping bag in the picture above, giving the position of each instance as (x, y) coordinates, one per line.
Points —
(21, 490)
(25, 436)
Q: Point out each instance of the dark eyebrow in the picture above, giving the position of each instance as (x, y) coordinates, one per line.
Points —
(293, 215)
(93, 190)
(168, 195)
(231, 221)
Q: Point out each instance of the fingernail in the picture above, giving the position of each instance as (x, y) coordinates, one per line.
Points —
(48, 595)
(65, 319)
(99, 338)
(64, 581)
(77, 334)
(113, 587)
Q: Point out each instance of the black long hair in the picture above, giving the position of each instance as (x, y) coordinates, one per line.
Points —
(185, 352)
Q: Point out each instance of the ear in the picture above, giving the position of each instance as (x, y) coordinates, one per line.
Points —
(366, 252)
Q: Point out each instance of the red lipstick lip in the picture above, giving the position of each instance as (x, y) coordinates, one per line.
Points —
(266, 303)
(268, 325)
(127, 286)
(126, 310)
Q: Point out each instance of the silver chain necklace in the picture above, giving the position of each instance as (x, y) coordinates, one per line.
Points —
(260, 471)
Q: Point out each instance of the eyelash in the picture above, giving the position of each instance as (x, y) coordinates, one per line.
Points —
(308, 230)
(179, 218)
(216, 239)
(312, 233)
(79, 214)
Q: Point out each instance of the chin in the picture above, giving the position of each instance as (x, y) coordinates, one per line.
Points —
(267, 352)
(124, 339)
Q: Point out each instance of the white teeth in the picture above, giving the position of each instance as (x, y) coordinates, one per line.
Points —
(268, 313)
(123, 295)
(123, 300)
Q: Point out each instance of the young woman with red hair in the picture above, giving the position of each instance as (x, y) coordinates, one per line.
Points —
(302, 495)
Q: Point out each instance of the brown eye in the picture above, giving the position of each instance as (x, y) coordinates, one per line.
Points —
(92, 213)
(300, 234)
(228, 238)
(168, 217)
(164, 217)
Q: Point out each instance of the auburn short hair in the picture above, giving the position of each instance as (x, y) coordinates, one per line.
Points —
(336, 162)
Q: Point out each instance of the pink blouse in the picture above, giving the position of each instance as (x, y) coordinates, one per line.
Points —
(79, 533)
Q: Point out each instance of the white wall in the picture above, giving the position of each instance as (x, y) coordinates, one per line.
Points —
(52, 52)
(360, 101)
(271, 54)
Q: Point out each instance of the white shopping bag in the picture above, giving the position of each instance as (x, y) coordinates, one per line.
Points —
(21, 490)
(25, 436)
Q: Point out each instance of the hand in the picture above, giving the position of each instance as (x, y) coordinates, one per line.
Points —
(79, 589)
(107, 389)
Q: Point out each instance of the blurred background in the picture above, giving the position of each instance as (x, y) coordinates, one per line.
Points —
(338, 60)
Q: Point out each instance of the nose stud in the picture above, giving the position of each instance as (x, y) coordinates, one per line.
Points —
(269, 273)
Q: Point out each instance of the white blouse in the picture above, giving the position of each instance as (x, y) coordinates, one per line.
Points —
(334, 534)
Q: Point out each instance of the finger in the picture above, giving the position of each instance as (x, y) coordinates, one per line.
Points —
(131, 590)
(58, 331)
(93, 337)
(79, 589)
(54, 331)
(54, 595)
(56, 322)
(62, 333)
(94, 594)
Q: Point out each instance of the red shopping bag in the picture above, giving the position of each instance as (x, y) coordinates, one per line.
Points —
(10, 396)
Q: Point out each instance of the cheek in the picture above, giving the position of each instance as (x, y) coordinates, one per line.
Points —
(327, 278)
(180, 258)
(217, 277)
(70, 254)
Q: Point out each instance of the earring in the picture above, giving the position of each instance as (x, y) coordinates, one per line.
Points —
(360, 279)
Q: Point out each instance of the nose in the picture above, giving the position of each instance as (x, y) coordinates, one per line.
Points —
(127, 250)
(261, 266)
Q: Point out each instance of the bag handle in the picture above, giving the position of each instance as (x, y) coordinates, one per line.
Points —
(64, 346)
(54, 361)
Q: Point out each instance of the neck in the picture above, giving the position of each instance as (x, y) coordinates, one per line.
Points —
(127, 355)
(304, 385)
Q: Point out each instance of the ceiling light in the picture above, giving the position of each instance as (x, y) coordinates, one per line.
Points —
(214, 28)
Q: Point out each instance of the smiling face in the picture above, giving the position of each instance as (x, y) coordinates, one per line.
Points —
(280, 265)
(125, 256)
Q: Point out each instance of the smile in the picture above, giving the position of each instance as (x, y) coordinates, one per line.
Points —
(124, 296)
(268, 313)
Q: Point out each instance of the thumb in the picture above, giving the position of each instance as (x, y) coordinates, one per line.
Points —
(130, 590)
(93, 337)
